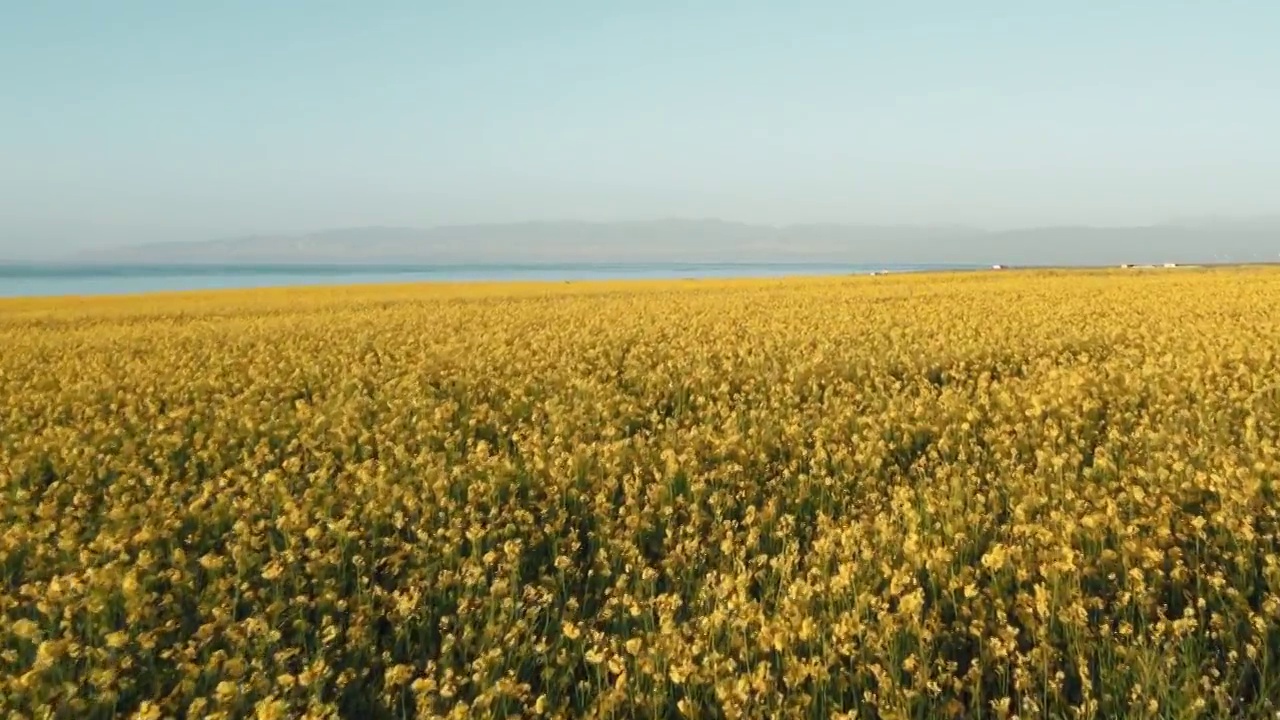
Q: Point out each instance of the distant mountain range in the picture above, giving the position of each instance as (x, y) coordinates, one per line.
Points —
(697, 241)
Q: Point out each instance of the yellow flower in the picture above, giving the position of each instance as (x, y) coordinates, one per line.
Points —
(995, 557)
(271, 709)
(25, 629)
(226, 691)
(272, 572)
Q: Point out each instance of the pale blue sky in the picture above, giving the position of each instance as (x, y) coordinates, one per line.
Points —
(142, 121)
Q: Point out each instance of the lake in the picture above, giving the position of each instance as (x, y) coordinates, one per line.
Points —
(33, 280)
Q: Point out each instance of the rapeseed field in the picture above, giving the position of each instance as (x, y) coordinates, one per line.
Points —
(987, 495)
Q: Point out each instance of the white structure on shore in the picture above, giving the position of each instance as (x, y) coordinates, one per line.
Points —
(1168, 265)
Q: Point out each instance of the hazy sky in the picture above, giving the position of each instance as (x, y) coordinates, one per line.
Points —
(141, 121)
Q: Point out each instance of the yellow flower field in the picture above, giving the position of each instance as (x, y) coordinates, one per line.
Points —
(1041, 494)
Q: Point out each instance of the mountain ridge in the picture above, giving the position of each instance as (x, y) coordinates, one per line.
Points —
(712, 240)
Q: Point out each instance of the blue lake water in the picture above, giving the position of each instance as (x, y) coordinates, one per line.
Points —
(62, 280)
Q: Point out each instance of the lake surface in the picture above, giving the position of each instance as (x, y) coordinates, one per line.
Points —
(60, 280)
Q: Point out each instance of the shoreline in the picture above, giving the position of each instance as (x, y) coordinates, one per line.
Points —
(350, 276)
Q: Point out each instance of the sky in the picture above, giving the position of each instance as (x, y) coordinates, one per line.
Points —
(135, 121)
